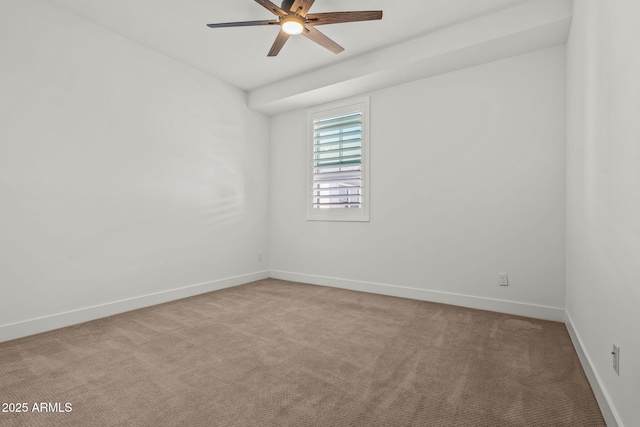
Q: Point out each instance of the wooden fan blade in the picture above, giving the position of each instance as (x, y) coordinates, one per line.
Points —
(312, 34)
(281, 39)
(339, 17)
(272, 7)
(301, 7)
(242, 24)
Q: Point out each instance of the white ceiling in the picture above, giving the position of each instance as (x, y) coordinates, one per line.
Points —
(177, 28)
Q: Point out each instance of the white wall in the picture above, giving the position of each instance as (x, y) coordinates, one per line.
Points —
(127, 178)
(603, 194)
(122, 173)
(467, 180)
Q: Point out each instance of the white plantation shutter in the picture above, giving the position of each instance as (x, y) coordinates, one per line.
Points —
(338, 188)
(337, 162)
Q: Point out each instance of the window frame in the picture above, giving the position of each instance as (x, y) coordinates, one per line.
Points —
(328, 111)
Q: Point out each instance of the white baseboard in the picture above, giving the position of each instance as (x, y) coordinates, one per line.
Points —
(500, 306)
(609, 413)
(60, 320)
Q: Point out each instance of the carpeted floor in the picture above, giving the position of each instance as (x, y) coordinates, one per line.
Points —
(276, 353)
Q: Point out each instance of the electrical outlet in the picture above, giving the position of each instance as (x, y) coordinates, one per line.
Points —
(503, 280)
(616, 358)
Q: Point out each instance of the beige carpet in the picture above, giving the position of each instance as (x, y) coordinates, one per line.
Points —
(275, 353)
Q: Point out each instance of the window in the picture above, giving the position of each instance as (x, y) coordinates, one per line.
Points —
(338, 184)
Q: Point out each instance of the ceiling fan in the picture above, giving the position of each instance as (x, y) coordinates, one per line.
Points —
(293, 18)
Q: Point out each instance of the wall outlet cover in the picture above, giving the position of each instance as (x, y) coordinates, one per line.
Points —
(616, 358)
(503, 280)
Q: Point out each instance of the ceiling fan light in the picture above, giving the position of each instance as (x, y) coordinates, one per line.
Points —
(292, 26)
